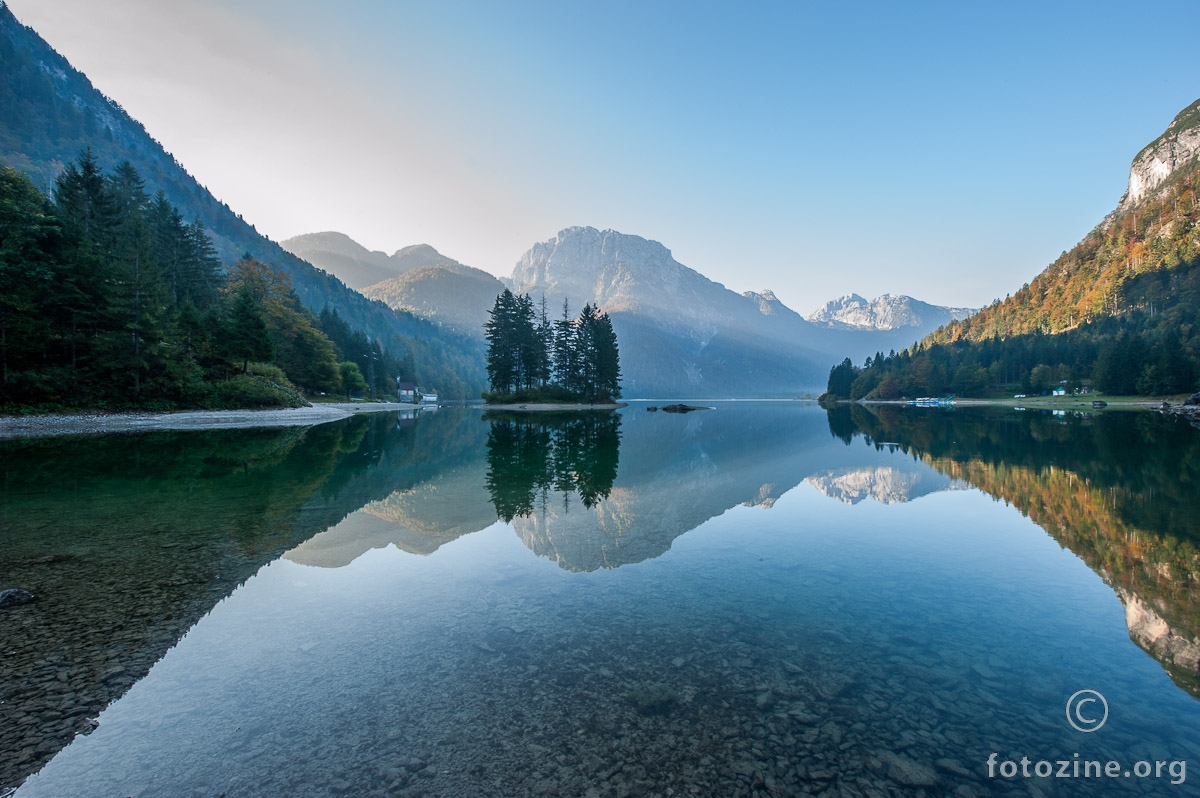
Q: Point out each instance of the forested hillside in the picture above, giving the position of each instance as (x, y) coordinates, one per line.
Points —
(108, 299)
(1118, 311)
(50, 113)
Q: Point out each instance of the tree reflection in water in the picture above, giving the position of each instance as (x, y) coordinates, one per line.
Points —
(529, 457)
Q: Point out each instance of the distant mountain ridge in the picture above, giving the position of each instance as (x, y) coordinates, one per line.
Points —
(343, 257)
(886, 312)
(681, 334)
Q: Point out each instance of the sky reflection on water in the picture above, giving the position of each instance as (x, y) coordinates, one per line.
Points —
(715, 625)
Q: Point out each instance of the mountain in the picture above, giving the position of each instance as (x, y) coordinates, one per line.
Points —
(885, 312)
(1175, 148)
(359, 267)
(341, 256)
(904, 481)
(456, 296)
(50, 112)
(680, 333)
(1119, 312)
(1153, 229)
(418, 255)
(416, 279)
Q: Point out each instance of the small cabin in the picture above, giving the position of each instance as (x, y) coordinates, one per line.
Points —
(1060, 391)
(406, 392)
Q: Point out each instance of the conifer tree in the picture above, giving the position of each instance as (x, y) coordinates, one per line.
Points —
(246, 337)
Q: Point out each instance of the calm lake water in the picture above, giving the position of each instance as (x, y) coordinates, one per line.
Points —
(760, 599)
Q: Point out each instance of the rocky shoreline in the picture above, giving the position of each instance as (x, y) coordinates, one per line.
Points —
(1189, 409)
(95, 423)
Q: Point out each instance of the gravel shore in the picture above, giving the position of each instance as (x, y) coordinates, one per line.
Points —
(41, 426)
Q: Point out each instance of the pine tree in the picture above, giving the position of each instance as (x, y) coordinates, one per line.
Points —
(608, 359)
(245, 336)
(503, 365)
(29, 237)
(563, 355)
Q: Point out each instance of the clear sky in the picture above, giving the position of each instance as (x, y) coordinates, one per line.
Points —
(948, 151)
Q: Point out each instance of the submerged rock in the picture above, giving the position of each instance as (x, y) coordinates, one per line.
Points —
(905, 771)
(15, 597)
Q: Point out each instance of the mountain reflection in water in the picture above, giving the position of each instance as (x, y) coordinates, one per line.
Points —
(764, 643)
(1119, 489)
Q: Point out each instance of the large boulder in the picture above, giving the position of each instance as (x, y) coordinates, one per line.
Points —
(1194, 399)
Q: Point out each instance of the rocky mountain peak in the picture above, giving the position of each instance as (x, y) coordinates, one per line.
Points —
(768, 303)
(1159, 159)
(613, 270)
(886, 312)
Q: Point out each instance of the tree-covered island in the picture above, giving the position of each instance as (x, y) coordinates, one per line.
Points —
(533, 359)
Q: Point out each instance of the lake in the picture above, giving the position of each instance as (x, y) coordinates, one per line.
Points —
(764, 598)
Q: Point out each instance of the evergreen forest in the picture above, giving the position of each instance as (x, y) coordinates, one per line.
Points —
(531, 358)
(110, 299)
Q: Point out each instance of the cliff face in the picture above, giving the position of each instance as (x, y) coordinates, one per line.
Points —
(1178, 651)
(1160, 159)
(680, 333)
(627, 273)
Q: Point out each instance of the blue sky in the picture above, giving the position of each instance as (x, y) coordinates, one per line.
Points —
(944, 150)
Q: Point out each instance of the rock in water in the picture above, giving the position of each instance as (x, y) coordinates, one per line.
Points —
(15, 597)
(905, 771)
(681, 408)
(1194, 399)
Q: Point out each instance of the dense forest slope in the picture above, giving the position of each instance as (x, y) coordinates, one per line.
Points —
(50, 113)
(1118, 311)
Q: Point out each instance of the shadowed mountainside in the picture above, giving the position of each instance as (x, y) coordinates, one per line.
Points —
(50, 112)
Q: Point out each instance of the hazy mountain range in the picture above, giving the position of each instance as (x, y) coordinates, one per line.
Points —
(680, 333)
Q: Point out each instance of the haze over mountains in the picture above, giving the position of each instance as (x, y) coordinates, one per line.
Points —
(50, 112)
(417, 279)
(680, 333)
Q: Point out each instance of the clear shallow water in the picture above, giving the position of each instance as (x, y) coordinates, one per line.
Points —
(751, 606)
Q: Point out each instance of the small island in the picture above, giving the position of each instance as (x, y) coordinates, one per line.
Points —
(534, 364)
